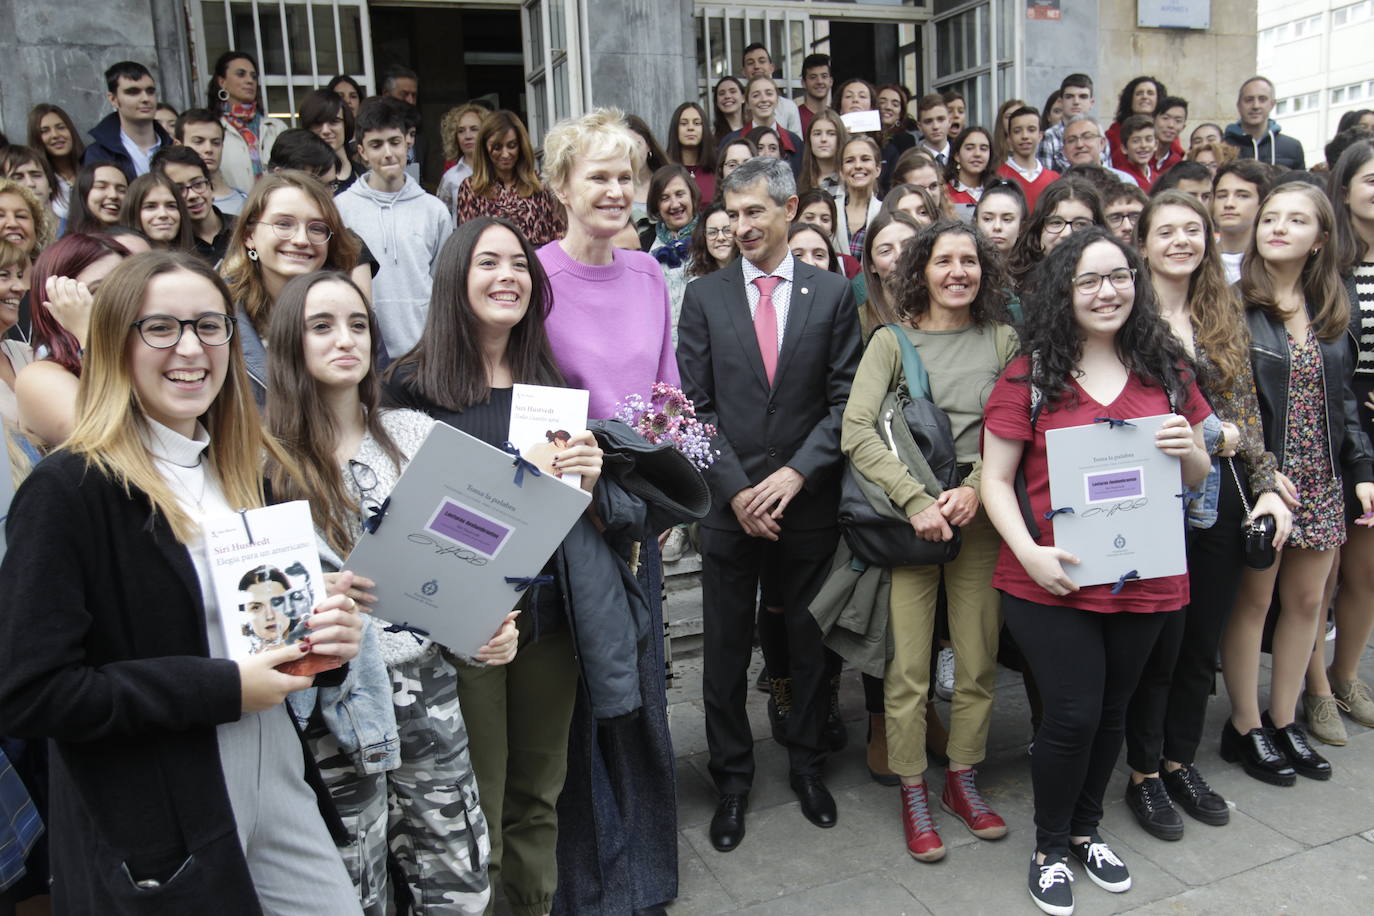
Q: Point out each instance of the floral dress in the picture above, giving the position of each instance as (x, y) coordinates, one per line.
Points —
(1319, 519)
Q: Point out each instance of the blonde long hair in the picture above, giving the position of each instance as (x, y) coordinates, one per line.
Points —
(111, 424)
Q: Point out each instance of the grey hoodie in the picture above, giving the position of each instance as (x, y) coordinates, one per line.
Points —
(405, 231)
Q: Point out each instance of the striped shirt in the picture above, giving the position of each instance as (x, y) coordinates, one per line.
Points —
(1364, 296)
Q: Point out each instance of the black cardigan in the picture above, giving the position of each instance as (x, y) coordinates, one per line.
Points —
(103, 649)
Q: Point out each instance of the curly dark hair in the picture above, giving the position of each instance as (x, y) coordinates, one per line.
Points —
(1123, 103)
(699, 259)
(1027, 253)
(911, 298)
(1145, 345)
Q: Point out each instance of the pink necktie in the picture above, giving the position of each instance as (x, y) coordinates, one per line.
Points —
(766, 324)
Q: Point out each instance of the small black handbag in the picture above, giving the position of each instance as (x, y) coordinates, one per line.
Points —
(918, 432)
(1259, 532)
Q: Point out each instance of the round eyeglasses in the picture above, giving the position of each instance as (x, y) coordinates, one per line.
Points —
(1123, 278)
(162, 332)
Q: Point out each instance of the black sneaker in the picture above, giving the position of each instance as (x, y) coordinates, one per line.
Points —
(1049, 886)
(1192, 793)
(1149, 802)
(1104, 868)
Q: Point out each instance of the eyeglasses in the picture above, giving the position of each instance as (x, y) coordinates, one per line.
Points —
(197, 184)
(162, 332)
(1123, 278)
(1081, 138)
(1129, 218)
(365, 479)
(316, 231)
(1055, 224)
(722, 232)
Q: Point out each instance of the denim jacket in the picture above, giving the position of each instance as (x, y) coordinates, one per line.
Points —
(359, 712)
(1202, 510)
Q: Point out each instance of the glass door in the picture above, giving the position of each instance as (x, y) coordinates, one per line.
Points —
(554, 53)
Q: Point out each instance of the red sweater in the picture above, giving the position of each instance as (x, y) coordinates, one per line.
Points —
(1034, 188)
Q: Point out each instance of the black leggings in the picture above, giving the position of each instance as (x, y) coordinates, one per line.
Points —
(1166, 716)
(1086, 664)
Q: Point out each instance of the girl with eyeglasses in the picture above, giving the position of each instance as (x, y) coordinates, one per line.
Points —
(1068, 206)
(713, 243)
(289, 227)
(179, 776)
(1094, 345)
(393, 736)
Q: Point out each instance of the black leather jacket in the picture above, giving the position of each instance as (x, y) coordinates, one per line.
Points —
(1351, 455)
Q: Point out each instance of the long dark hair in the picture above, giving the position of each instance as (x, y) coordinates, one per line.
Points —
(212, 99)
(300, 420)
(911, 295)
(655, 159)
(446, 366)
(79, 216)
(1145, 345)
(706, 148)
(1350, 247)
(323, 106)
(1027, 253)
(720, 126)
(700, 261)
(36, 116)
(131, 214)
(952, 166)
(1123, 104)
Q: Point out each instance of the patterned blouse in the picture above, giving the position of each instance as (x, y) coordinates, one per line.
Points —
(1238, 404)
(539, 217)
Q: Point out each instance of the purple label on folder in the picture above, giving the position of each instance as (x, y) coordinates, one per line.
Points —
(1123, 483)
(468, 527)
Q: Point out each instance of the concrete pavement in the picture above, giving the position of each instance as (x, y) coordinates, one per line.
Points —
(1306, 849)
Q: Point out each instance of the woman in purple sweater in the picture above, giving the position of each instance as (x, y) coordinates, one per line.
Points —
(611, 331)
(611, 324)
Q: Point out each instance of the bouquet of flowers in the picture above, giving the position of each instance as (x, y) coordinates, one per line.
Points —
(669, 416)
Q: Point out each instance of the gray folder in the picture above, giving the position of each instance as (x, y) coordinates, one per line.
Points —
(1124, 492)
(457, 527)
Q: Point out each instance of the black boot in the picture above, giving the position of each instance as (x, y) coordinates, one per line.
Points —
(835, 735)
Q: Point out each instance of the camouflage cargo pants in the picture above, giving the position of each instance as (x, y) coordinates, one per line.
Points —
(437, 832)
(425, 811)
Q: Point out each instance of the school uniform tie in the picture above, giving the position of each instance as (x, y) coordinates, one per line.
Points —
(766, 324)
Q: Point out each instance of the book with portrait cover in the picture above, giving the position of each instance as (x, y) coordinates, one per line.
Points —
(265, 567)
(542, 420)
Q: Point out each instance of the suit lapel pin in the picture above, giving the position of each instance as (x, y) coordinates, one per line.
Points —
(805, 290)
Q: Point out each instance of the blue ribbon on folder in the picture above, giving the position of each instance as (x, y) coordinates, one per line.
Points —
(375, 514)
(415, 632)
(520, 464)
(1064, 510)
(1121, 582)
(523, 582)
(1113, 422)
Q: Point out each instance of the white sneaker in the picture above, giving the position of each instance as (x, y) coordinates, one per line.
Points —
(676, 545)
(944, 674)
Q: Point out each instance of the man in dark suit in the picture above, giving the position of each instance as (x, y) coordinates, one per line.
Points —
(767, 349)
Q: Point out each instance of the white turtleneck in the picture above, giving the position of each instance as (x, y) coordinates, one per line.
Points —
(183, 464)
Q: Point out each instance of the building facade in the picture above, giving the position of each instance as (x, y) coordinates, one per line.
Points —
(550, 58)
(1317, 54)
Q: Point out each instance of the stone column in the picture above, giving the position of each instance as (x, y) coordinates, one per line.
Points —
(643, 57)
